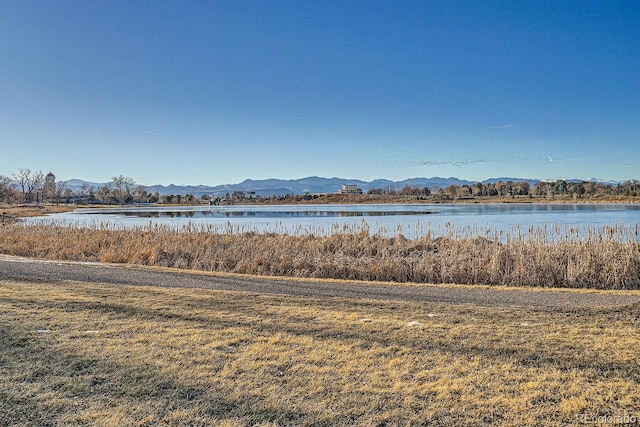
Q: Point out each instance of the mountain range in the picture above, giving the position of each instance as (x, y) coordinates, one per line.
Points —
(312, 184)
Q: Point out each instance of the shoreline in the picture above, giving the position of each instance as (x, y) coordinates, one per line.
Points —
(10, 213)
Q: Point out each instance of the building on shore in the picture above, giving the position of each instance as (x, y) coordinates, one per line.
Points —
(350, 189)
(49, 187)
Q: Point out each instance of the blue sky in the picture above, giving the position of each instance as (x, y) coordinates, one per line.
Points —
(213, 92)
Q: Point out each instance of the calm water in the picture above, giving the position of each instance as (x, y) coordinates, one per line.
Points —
(410, 220)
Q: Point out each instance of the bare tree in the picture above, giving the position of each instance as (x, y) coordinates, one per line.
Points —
(522, 188)
(22, 178)
(7, 192)
(122, 186)
(85, 190)
(140, 193)
(67, 195)
(414, 190)
(91, 194)
(389, 190)
(104, 193)
(31, 183)
(59, 191)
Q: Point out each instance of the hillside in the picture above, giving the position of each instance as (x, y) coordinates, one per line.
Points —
(313, 184)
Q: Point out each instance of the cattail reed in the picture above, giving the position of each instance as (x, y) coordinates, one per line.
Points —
(551, 255)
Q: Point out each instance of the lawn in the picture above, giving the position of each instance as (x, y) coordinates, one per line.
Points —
(78, 354)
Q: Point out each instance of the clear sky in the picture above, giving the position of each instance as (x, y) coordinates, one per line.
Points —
(213, 92)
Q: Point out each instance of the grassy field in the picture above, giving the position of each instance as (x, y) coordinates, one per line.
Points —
(553, 256)
(78, 354)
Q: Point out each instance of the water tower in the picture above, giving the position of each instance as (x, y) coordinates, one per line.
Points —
(49, 186)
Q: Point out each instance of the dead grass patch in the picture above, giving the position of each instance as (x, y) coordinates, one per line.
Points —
(10, 213)
(147, 356)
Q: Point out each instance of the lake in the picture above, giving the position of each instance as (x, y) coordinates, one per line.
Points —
(410, 220)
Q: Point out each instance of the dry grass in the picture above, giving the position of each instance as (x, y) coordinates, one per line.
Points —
(9, 213)
(140, 356)
(548, 257)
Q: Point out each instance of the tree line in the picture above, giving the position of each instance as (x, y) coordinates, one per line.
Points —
(513, 189)
(542, 189)
(28, 186)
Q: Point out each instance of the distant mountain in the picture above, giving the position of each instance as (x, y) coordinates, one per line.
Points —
(76, 185)
(311, 184)
(604, 181)
(196, 190)
(281, 187)
(531, 182)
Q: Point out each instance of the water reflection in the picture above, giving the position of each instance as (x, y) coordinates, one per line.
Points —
(202, 214)
(389, 220)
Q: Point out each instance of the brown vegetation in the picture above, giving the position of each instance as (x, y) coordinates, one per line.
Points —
(549, 257)
(10, 213)
(78, 354)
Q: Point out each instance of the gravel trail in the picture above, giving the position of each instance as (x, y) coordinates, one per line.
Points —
(26, 269)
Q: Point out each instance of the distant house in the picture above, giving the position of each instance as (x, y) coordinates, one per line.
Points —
(350, 189)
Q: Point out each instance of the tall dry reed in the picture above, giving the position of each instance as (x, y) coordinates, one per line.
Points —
(549, 256)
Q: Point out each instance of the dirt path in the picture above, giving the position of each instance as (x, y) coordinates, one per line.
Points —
(25, 269)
